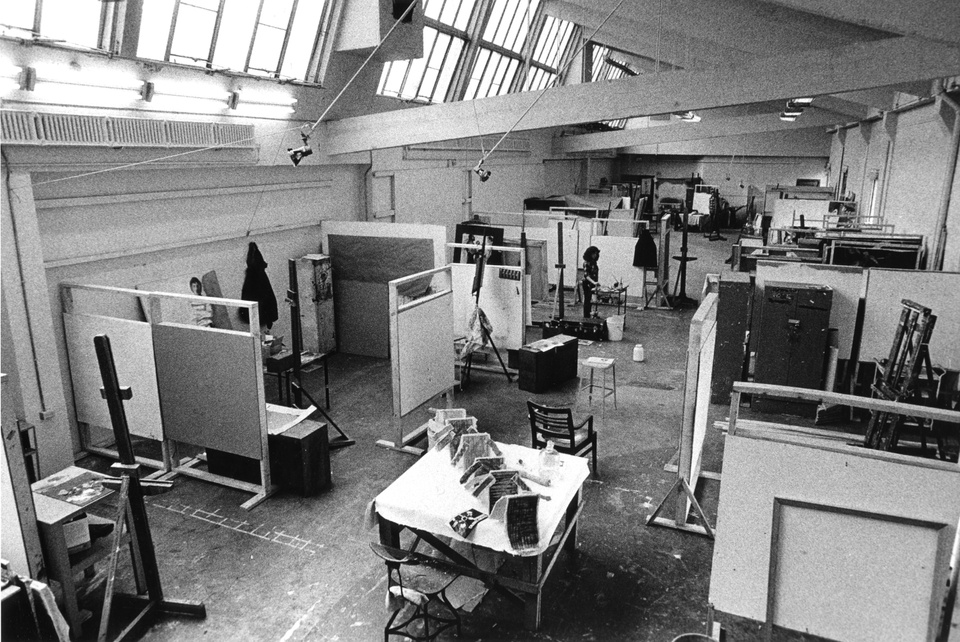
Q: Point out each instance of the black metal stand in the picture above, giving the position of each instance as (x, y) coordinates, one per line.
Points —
(296, 330)
(680, 298)
(131, 503)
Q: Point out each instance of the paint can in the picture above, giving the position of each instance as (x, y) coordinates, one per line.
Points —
(638, 352)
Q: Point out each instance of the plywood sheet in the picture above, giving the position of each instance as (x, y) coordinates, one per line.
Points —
(211, 388)
(363, 318)
(847, 283)
(704, 382)
(939, 291)
(501, 299)
(424, 362)
(815, 585)
(881, 487)
(133, 356)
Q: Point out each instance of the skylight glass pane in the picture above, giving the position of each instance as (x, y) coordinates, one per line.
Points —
(538, 79)
(193, 34)
(492, 75)
(75, 22)
(154, 29)
(20, 14)
(455, 13)
(276, 13)
(509, 23)
(553, 42)
(426, 78)
(236, 25)
(265, 56)
(599, 56)
(303, 35)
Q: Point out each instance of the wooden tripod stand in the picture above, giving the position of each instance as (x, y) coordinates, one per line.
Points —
(132, 511)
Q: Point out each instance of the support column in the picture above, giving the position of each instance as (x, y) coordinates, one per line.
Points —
(26, 298)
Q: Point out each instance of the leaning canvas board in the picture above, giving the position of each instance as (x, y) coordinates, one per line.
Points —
(501, 299)
(132, 346)
(883, 574)
(616, 263)
(437, 234)
(939, 291)
(423, 362)
(211, 388)
(847, 283)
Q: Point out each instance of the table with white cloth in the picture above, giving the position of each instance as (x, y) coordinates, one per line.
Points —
(428, 495)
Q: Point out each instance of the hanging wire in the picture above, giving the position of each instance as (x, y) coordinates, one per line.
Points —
(305, 129)
(556, 79)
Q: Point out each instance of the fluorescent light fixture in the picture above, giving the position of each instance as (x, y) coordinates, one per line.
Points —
(75, 75)
(801, 101)
(792, 112)
(688, 117)
(186, 97)
(788, 117)
(262, 104)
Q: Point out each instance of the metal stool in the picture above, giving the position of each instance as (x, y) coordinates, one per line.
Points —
(587, 381)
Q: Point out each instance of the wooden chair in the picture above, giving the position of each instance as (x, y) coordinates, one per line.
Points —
(548, 423)
(415, 579)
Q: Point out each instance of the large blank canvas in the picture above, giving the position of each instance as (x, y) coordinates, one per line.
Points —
(423, 365)
(883, 487)
(819, 554)
(133, 357)
(573, 239)
(847, 283)
(616, 263)
(500, 299)
(211, 387)
(939, 291)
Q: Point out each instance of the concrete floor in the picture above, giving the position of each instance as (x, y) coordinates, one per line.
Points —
(301, 569)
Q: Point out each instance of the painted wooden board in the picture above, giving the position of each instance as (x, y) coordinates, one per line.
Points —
(133, 355)
(616, 263)
(436, 233)
(363, 305)
(423, 364)
(501, 299)
(939, 291)
(704, 383)
(211, 388)
(875, 509)
(847, 282)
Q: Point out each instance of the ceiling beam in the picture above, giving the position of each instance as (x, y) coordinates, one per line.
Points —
(723, 127)
(850, 68)
(810, 142)
(930, 19)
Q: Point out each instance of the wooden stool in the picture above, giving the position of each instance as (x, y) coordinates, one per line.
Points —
(587, 381)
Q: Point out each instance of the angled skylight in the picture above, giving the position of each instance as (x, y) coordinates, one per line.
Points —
(264, 37)
(427, 78)
(75, 23)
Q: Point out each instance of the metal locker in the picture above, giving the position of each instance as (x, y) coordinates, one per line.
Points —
(792, 341)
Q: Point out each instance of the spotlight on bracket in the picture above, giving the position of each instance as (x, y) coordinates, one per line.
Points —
(297, 154)
(484, 174)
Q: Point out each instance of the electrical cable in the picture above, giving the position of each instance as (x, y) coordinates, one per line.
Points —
(550, 86)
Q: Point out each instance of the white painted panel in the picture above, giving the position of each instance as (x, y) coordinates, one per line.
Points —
(704, 382)
(847, 283)
(616, 263)
(939, 291)
(426, 359)
(132, 346)
(572, 250)
(758, 471)
(501, 299)
(820, 556)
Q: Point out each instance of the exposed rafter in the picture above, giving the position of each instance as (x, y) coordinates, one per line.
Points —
(688, 131)
(850, 68)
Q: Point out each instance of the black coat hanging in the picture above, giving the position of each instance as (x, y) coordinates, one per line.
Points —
(645, 252)
(256, 287)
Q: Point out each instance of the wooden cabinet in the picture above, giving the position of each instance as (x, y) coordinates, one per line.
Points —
(547, 362)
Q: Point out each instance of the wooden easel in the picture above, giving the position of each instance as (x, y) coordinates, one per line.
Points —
(909, 355)
(477, 286)
(131, 504)
(296, 330)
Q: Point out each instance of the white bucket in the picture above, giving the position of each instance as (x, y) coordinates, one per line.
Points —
(615, 327)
